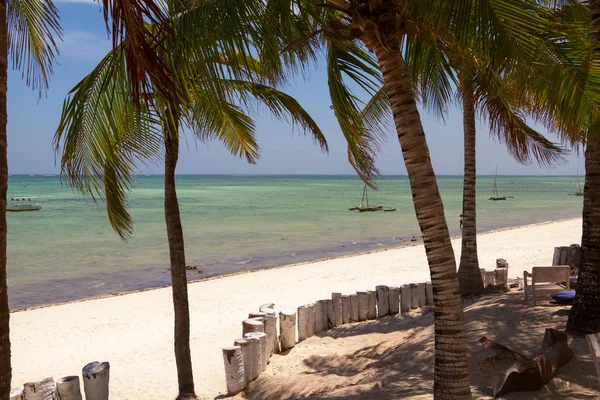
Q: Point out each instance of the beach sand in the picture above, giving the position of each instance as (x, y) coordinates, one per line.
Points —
(134, 331)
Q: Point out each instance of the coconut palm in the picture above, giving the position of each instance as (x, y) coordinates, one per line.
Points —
(103, 139)
(28, 29)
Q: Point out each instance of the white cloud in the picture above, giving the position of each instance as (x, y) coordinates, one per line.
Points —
(84, 45)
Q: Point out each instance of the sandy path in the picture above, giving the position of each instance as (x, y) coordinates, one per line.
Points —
(134, 331)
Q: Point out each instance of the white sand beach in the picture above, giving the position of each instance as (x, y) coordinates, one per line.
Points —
(134, 331)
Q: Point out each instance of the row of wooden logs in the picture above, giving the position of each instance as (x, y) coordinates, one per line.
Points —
(497, 277)
(250, 354)
(567, 255)
(95, 385)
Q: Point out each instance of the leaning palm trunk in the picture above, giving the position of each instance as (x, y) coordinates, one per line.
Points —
(451, 379)
(5, 368)
(469, 277)
(183, 358)
(585, 313)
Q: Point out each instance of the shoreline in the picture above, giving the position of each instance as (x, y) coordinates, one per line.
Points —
(408, 244)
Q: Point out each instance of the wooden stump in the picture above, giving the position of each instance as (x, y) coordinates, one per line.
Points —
(501, 263)
(96, 377)
(252, 325)
(330, 314)
(41, 390)
(363, 305)
(287, 328)
(405, 300)
(509, 371)
(354, 308)
(429, 293)
(255, 356)
(68, 388)
(394, 299)
(372, 311)
(270, 327)
(502, 277)
(16, 394)
(556, 257)
(235, 374)
(303, 322)
(324, 306)
(310, 325)
(247, 354)
(318, 317)
(414, 296)
(336, 300)
(263, 355)
(267, 307)
(383, 300)
(422, 295)
(345, 309)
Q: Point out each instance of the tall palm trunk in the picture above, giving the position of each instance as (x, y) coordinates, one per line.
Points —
(451, 379)
(469, 277)
(5, 368)
(585, 313)
(183, 356)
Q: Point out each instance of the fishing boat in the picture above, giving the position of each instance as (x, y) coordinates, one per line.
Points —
(23, 204)
(578, 191)
(364, 208)
(495, 195)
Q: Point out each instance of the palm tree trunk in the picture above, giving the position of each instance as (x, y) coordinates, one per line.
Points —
(469, 277)
(451, 379)
(183, 356)
(5, 367)
(584, 316)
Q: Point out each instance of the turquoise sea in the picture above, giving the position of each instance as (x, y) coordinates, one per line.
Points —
(68, 250)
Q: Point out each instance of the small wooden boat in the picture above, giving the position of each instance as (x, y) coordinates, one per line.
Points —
(495, 195)
(23, 204)
(367, 208)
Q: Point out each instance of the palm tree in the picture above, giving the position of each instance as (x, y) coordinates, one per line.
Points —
(28, 29)
(104, 133)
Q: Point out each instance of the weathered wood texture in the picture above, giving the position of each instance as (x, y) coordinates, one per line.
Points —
(383, 300)
(16, 394)
(40, 390)
(594, 345)
(363, 305)
(263, 351)
(354, 308)
(567, 255)
(414, 295)
(96, 377)
(429, 293)
(318, 316)
(372, 311)
(405, 300)
(422, 295)
(336, 300)
(67, 388)
(509, 371)
(287, 328)
(235, 374)
(247, 356)
(345, 309)
(394, 299)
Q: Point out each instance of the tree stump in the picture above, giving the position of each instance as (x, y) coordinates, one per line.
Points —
(363, 305)
(68, 388)
(263, 356)
(324, 322)
(235, 374)
(16, 394)
(95, 380)
(394, 299)
(345, 309)
(336, 300)
(40, 390)
(414, 296)
(270, 326)
(310, 326)
(303, 322)
(422, 295)
(509, 371)
(383, 300)
(255, 355)
(405, 300)
(318, 328)
(354, 308)
(429, 293)
(330, 312)
(287, 328)
(247, 356)
(252, 325)
(372, 310)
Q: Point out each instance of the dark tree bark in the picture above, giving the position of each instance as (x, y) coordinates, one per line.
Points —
(183, 356)
(469, 277)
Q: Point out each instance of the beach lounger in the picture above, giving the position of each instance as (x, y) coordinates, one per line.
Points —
(545, 281)
(594, 345)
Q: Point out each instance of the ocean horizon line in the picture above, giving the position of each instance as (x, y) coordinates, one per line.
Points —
(316, 175)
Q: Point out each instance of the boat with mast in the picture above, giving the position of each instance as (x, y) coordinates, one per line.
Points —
(495, 195)
(578, 191)
(365, 199)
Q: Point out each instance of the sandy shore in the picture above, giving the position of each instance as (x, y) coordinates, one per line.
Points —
(134, 332)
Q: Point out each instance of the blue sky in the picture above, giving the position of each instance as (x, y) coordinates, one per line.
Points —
(32, 122)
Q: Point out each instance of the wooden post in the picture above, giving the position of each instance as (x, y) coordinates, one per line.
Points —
(263, 355)
(483, 277)
(287, 328)
(270, 327)
(501, 263)
(247, 355)
(95, 380)
(303, 322)
(372, 311)
(394, 299)
(324, 322)
(235, 374)
(345, 309)
(68, 388)
(564, 254)
(502, 277)
(310, 325)
(556, 257)
(405, 303)
(255, 356)
(383, 300)
(252, 325)
(267, 307)
(330, 314)
(336, 299)
(490, 278)
(414, 296)
(363, 305)
(422, 295)
(354, 308)
(429, 293)
(16, 394)
(318, 317)
(41, 390)
(256, 315)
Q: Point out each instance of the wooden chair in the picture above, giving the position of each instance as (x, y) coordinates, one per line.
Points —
(593, 341)
(546, 281)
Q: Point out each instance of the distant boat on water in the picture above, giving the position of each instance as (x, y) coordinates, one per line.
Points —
(578, 191)
(23, 204)
(495, 195)
(363, 208)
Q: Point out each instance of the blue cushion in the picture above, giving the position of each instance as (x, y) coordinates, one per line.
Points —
(565, 297)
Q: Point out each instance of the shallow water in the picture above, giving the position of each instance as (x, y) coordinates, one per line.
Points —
(68, 250)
